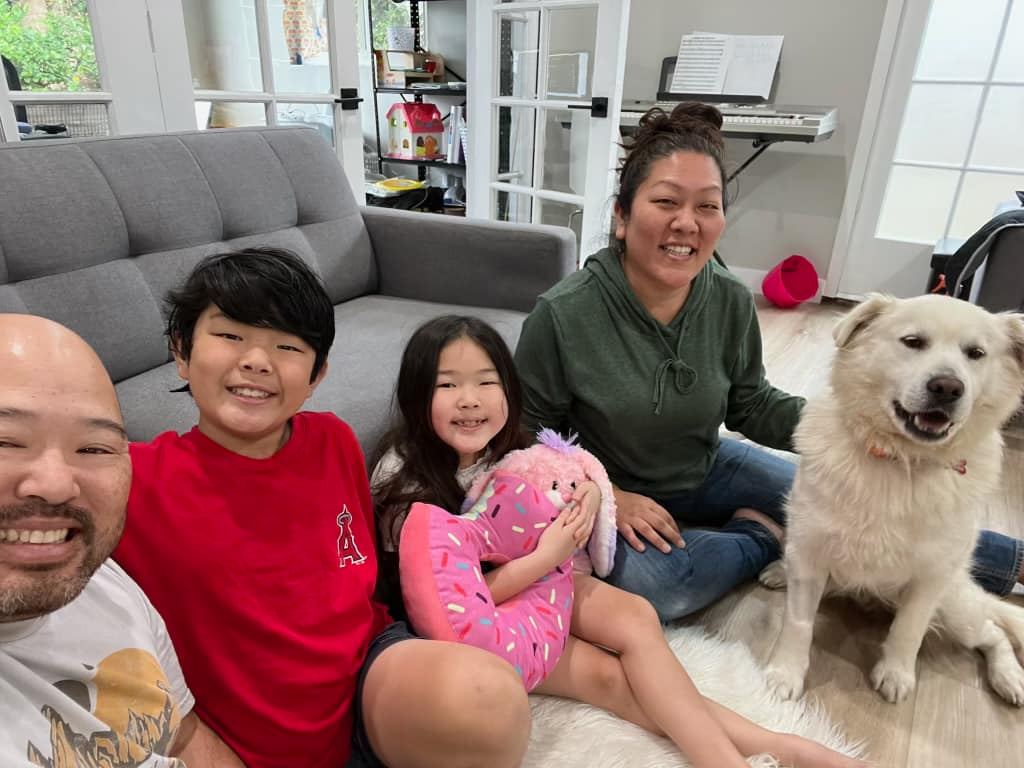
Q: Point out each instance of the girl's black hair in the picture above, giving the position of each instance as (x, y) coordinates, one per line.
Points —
(428, 463)
(691, 127)
(264, 287)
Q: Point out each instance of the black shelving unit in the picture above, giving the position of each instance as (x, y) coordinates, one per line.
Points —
(416, 93)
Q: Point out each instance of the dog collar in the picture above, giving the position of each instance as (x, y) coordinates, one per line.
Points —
(960, 467)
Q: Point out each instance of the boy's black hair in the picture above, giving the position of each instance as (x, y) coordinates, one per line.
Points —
(264, 287)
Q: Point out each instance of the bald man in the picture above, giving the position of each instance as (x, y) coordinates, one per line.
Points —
(88, 675)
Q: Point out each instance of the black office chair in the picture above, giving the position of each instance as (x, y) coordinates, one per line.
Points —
(21, 111)
(14, 84)
(999, 246)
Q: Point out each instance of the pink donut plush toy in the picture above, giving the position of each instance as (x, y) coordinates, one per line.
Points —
(506, 510)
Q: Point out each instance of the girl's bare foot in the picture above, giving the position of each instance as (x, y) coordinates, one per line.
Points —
(798, 752)
(776, 530)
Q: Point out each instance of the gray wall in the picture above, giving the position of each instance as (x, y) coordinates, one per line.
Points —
(790, 199)
(446, 27)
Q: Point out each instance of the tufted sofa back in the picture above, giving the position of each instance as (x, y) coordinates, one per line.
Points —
(94, 232)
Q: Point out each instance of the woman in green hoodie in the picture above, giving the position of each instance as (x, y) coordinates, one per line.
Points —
(647, 351)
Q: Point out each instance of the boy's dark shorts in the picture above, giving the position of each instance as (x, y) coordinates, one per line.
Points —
(362, 753)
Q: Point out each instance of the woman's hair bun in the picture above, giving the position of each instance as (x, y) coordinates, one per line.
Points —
(691, 117)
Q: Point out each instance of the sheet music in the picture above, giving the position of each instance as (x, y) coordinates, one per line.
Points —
(752, 64)
(701, 64)
(737, 65)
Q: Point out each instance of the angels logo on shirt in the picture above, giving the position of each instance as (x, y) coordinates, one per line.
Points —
(348, 550)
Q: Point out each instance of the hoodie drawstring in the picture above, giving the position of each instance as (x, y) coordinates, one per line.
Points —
(684, 377)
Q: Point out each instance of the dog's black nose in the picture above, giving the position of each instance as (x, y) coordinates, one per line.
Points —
(945, 389)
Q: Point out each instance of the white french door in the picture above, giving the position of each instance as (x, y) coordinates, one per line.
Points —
(940, 145)
(278, 62)
(545, 88)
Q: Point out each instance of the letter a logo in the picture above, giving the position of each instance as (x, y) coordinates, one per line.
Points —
(348, 550)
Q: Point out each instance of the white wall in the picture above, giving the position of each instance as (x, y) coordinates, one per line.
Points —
(790, 199)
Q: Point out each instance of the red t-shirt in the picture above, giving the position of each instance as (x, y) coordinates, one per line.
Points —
(264, 571)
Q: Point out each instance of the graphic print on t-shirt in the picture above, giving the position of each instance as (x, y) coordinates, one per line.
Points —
(129, 692)
(348, 550)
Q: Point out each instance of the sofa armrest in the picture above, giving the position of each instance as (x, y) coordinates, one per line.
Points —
(467, 261)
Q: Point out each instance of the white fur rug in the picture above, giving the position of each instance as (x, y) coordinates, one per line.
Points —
(568, 734)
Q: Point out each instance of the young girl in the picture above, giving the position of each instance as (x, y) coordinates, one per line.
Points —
(459, 407)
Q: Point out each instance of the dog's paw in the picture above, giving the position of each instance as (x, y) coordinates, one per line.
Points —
(1008, 681)
(786, 682)
(774, 575)
(893, 680)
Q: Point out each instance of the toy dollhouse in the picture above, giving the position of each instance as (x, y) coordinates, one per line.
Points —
(415, 131)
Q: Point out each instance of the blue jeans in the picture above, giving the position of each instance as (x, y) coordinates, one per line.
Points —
(721, 552)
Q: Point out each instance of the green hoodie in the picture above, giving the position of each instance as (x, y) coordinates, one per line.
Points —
(648, 399)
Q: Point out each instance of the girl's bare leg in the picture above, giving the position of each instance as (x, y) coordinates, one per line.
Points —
(638, 620)
(594, 676)
(629, 625)
(789, 749)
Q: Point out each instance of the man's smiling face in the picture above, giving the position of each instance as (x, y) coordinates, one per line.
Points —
(64, 466)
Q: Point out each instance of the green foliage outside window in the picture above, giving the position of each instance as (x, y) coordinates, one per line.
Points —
(50, 43)
(387, 13)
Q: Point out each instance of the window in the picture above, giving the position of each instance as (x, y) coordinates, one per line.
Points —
(959, 153)
(50, 67)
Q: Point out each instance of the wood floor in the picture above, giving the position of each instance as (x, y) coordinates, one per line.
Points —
(952, 719)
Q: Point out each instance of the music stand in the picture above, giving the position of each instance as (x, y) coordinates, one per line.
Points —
(668, 69)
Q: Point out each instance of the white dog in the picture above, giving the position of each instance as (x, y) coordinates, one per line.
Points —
(894, 462)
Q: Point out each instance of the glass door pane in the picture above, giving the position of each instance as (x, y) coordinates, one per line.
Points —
(571, 41)
(515, 146)
(300, 46)
(231, 114)
(223, 45)
(48, 46)
(519, 41)
(320, 116)
(564, 167)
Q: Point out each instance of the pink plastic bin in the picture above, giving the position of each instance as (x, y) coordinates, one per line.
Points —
(790, 282)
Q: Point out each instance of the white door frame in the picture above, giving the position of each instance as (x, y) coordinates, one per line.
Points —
(881, 77)
(342, 23)
(602, 143)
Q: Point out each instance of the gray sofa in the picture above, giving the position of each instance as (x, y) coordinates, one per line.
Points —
(93, 233)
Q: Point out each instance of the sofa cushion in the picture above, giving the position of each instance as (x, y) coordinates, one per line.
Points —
(110, 306)
(58, 212)
(163, 193)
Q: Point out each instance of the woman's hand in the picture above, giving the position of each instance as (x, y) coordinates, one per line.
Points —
(637, 516)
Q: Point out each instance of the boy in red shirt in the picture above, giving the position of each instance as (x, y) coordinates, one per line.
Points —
(253, 535)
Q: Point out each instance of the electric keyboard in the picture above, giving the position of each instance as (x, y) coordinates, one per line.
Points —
(761, 122)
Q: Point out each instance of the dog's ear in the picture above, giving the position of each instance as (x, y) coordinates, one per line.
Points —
(860, 317)
(1015, 331)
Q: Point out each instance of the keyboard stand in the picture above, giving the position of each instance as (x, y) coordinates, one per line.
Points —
(760, 145)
